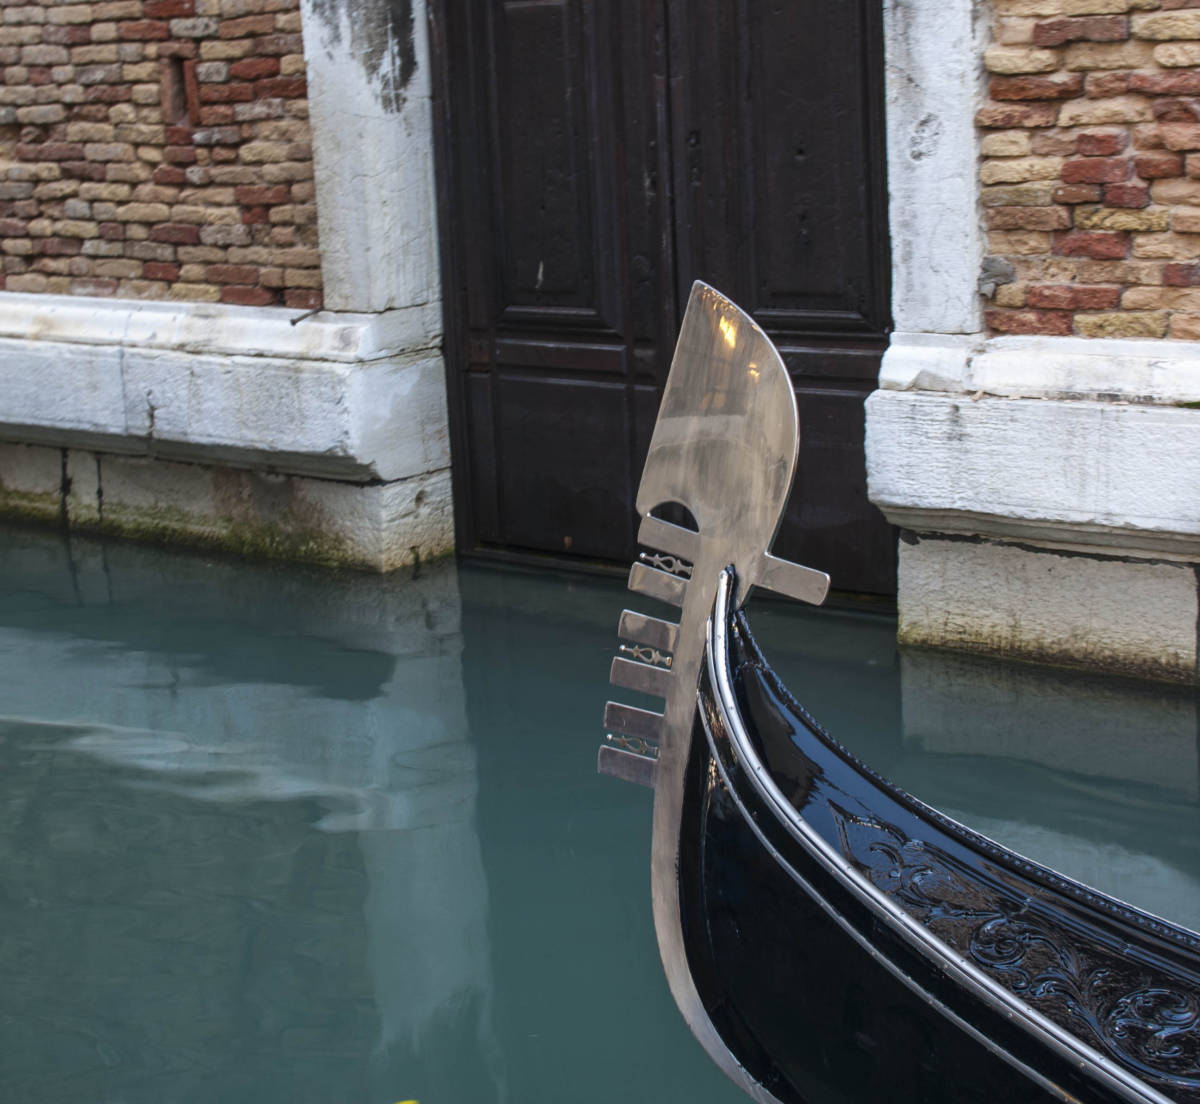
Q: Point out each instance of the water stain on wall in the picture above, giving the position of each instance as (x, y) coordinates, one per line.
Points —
(382, 39)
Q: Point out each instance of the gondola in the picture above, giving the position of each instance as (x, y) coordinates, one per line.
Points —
(827, 936)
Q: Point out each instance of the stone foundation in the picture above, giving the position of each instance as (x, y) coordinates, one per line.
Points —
(1121, 614)
(377, 526)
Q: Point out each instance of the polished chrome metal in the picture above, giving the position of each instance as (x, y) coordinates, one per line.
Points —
(640, 677)
(1074, 1049)
(648, 630)
(627, 766)
(657, 584)
(665, 562)
(656, 533)
(642, 724)
(725, 448)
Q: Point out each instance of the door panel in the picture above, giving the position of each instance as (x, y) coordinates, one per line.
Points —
(594, 159)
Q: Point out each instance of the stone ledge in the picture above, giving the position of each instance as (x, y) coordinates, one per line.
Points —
(345, 401)
(217, 328)
(1149, 373)
(1071, 472)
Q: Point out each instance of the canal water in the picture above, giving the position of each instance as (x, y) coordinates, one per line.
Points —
(269, 835)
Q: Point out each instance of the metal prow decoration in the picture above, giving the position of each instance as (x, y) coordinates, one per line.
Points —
(724, 447)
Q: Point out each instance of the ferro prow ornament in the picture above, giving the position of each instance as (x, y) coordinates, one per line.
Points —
(827, 936)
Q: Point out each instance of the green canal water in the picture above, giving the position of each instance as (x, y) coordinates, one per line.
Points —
(281, 837)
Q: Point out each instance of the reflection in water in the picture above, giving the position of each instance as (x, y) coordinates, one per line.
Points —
(1095, 776)
(296, 820)
(270, 835)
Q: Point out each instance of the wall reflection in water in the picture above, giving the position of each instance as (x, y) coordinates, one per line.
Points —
(239, 838)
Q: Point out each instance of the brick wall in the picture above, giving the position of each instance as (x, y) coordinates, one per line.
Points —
(157, 149)
(1091, 166)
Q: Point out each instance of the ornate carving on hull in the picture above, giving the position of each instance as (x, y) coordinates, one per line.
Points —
(1140, 1015)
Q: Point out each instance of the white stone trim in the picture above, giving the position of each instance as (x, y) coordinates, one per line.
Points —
(934, 82)
(217, 328)
(1113, 369)
(370, 108)
(1116, 476)
(340, 396)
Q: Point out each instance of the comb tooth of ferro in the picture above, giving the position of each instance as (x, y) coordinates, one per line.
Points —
(651, 631)
(641, 677)
(639, 724)
(628, 766)
(657, 584)
(656, 533)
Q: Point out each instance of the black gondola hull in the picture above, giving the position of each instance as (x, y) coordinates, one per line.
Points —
(925, 963)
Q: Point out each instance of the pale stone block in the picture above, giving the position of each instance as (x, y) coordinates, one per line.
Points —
(1119, 109)
(1015, 170)
(1068, 471)
(1160, 26)
(1019, 59)
(1126, 615)
(1005, 143)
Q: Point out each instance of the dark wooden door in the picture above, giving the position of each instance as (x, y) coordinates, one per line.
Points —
(594, 159)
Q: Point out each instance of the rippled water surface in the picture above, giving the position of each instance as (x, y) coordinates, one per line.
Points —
(277, 836)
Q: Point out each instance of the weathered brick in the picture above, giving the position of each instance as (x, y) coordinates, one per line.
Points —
(1178, 274)
(1086, 56)
(1096, 170)
(1054, 143)
(1013, 114)
(1094, 28)
(1126, 195)
(1107, 218)
(1176, 110)
(1185, 327)
(257, 194)
(1072, 297)
(1180, 136)
(1011, 170)
(1163, 26)
(247, 26)
(169, 9)
(1119, 109)
(1161, 298)
(225, 235)
(1166, 84)
(1019, 59)
(278, 45)
(226, 93)
(1123, 324)
(1055, 323)
(1098, 244)
(283, 88)
(70, 13)
(1154, 166)
(1102, 143)
(254, 68)
(1166, 247)
(303, 298)
(247, 296)
(143, 30)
